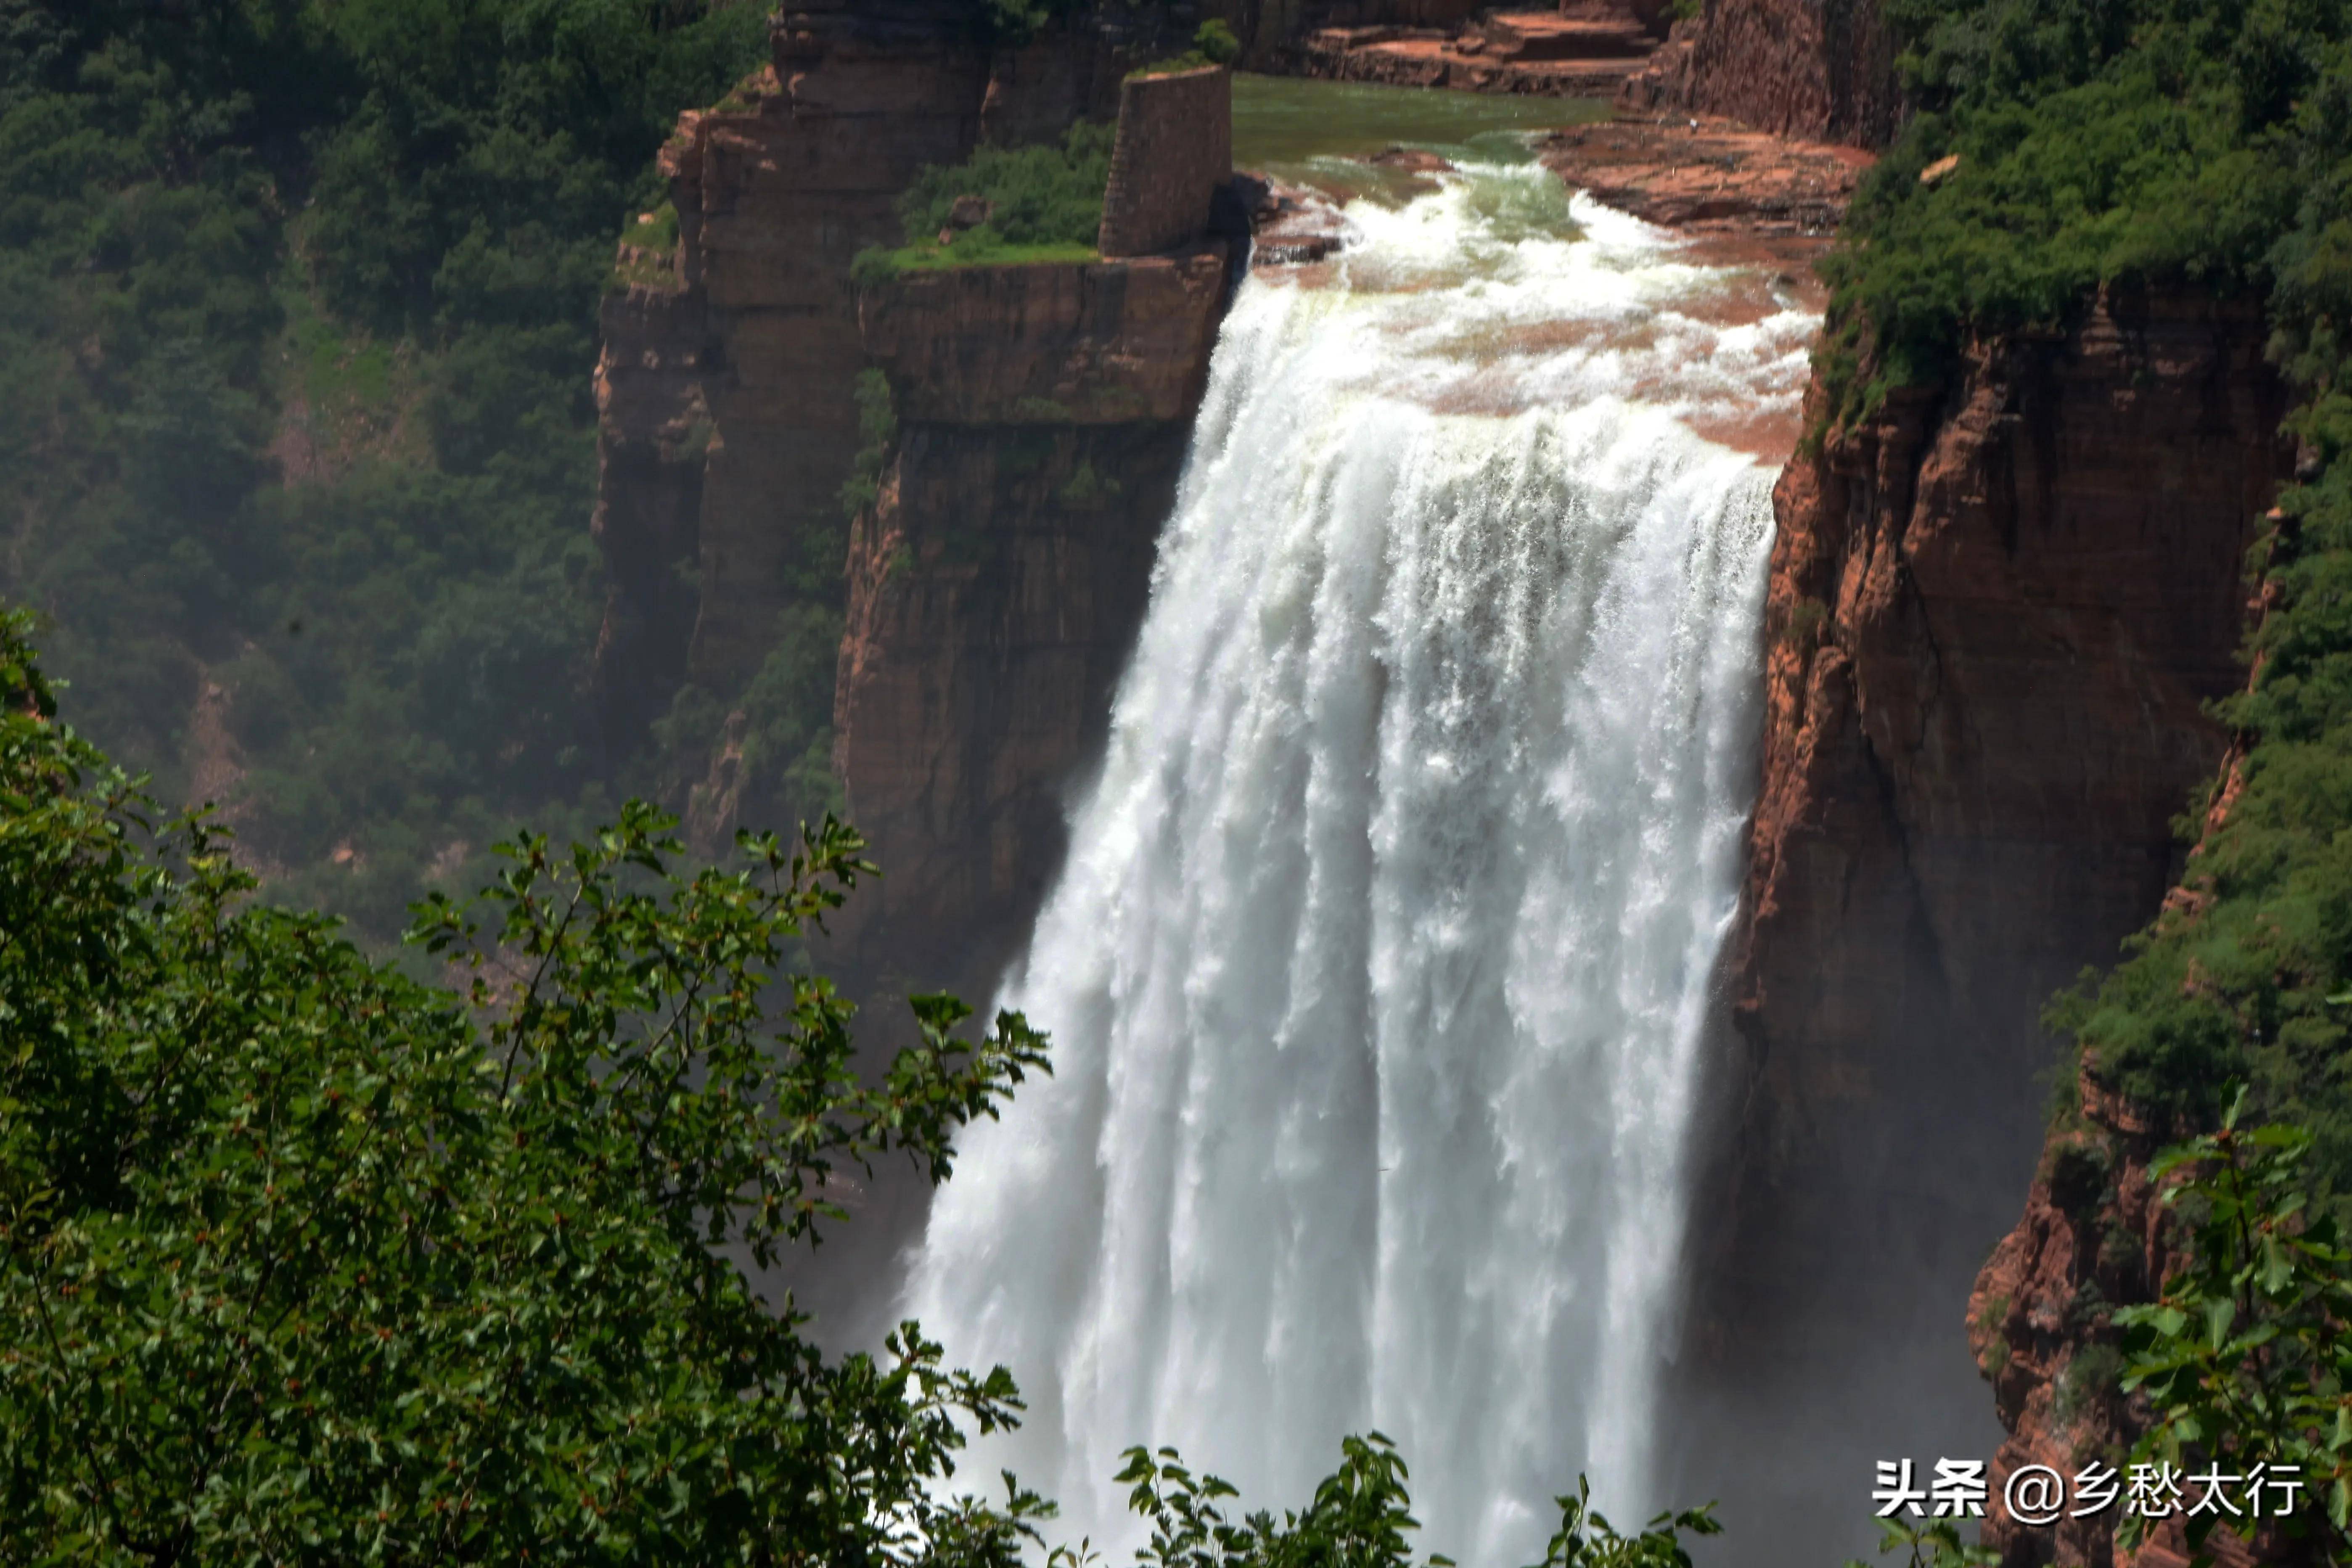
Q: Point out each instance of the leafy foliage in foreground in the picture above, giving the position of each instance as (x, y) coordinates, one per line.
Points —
(302, 1261)
(2247, 1355)
(1361, 1516)
(1929, 1543)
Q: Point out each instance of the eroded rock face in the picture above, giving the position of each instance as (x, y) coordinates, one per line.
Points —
(1822, 70)
(1585, 48)
(997, 585)
(1994, 615)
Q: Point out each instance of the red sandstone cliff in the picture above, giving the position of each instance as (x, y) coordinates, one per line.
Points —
(1995, 611)
(726, 389)
(2094, 1237)
(995, 589)
(1822, 70)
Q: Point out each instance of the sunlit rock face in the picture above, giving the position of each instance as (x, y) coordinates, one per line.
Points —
(1821, 70)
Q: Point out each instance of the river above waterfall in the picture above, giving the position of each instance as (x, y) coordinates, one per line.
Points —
(1380, 973)
(1323, 133)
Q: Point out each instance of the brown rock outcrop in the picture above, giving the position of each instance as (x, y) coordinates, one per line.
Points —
(1995, 612)
(1710, 178)
(729, 421)
(996, 587)
(1588, 49)
(1824, 69)
(1270, 30)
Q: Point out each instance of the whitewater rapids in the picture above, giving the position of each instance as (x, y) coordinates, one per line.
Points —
(1378, 975)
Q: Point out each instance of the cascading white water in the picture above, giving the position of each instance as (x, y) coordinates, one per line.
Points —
(1378, 971)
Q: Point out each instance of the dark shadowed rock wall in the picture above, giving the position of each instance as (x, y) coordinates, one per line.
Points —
(1995, 614)
(727, 383)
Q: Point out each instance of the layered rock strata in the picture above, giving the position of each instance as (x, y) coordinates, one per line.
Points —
(1587, 48)
(1996, 611)
(1822, 70)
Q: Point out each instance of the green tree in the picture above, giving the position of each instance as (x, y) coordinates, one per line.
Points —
(1360, 1517)
(296, 400)
(2245, 1357)
(307, 1262)
(1929, 1543)
(304, 1261)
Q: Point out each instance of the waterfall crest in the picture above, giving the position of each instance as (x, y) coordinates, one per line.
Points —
(1378, 973)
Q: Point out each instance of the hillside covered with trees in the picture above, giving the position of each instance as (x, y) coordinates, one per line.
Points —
(299, 432)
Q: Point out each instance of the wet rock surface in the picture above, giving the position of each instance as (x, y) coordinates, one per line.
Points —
(1710, 176)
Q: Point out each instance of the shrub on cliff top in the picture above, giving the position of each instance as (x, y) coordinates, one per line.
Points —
(1041, 204)
(2095, 143)
(1213, 44)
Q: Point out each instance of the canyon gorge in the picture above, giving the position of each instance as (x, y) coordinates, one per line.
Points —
(1979, 658)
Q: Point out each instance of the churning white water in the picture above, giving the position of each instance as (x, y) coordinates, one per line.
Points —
(1377, 975)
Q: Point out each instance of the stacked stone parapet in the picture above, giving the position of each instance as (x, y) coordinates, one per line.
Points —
(1175, 147)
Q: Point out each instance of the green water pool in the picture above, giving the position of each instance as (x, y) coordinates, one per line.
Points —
(1314, 132)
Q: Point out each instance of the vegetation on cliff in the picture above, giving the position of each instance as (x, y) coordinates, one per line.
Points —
(2065, 146)
(2248, 1344)
(1003, 205)
(302, 1261)
(1213, 44)
(298, 438)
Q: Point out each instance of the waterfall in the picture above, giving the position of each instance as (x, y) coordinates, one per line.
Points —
(1378, 971)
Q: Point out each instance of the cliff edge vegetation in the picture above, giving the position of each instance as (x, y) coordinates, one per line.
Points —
(2066, 148)
(2063, 146)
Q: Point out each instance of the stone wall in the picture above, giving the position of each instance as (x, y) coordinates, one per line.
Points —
(1175, 147)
